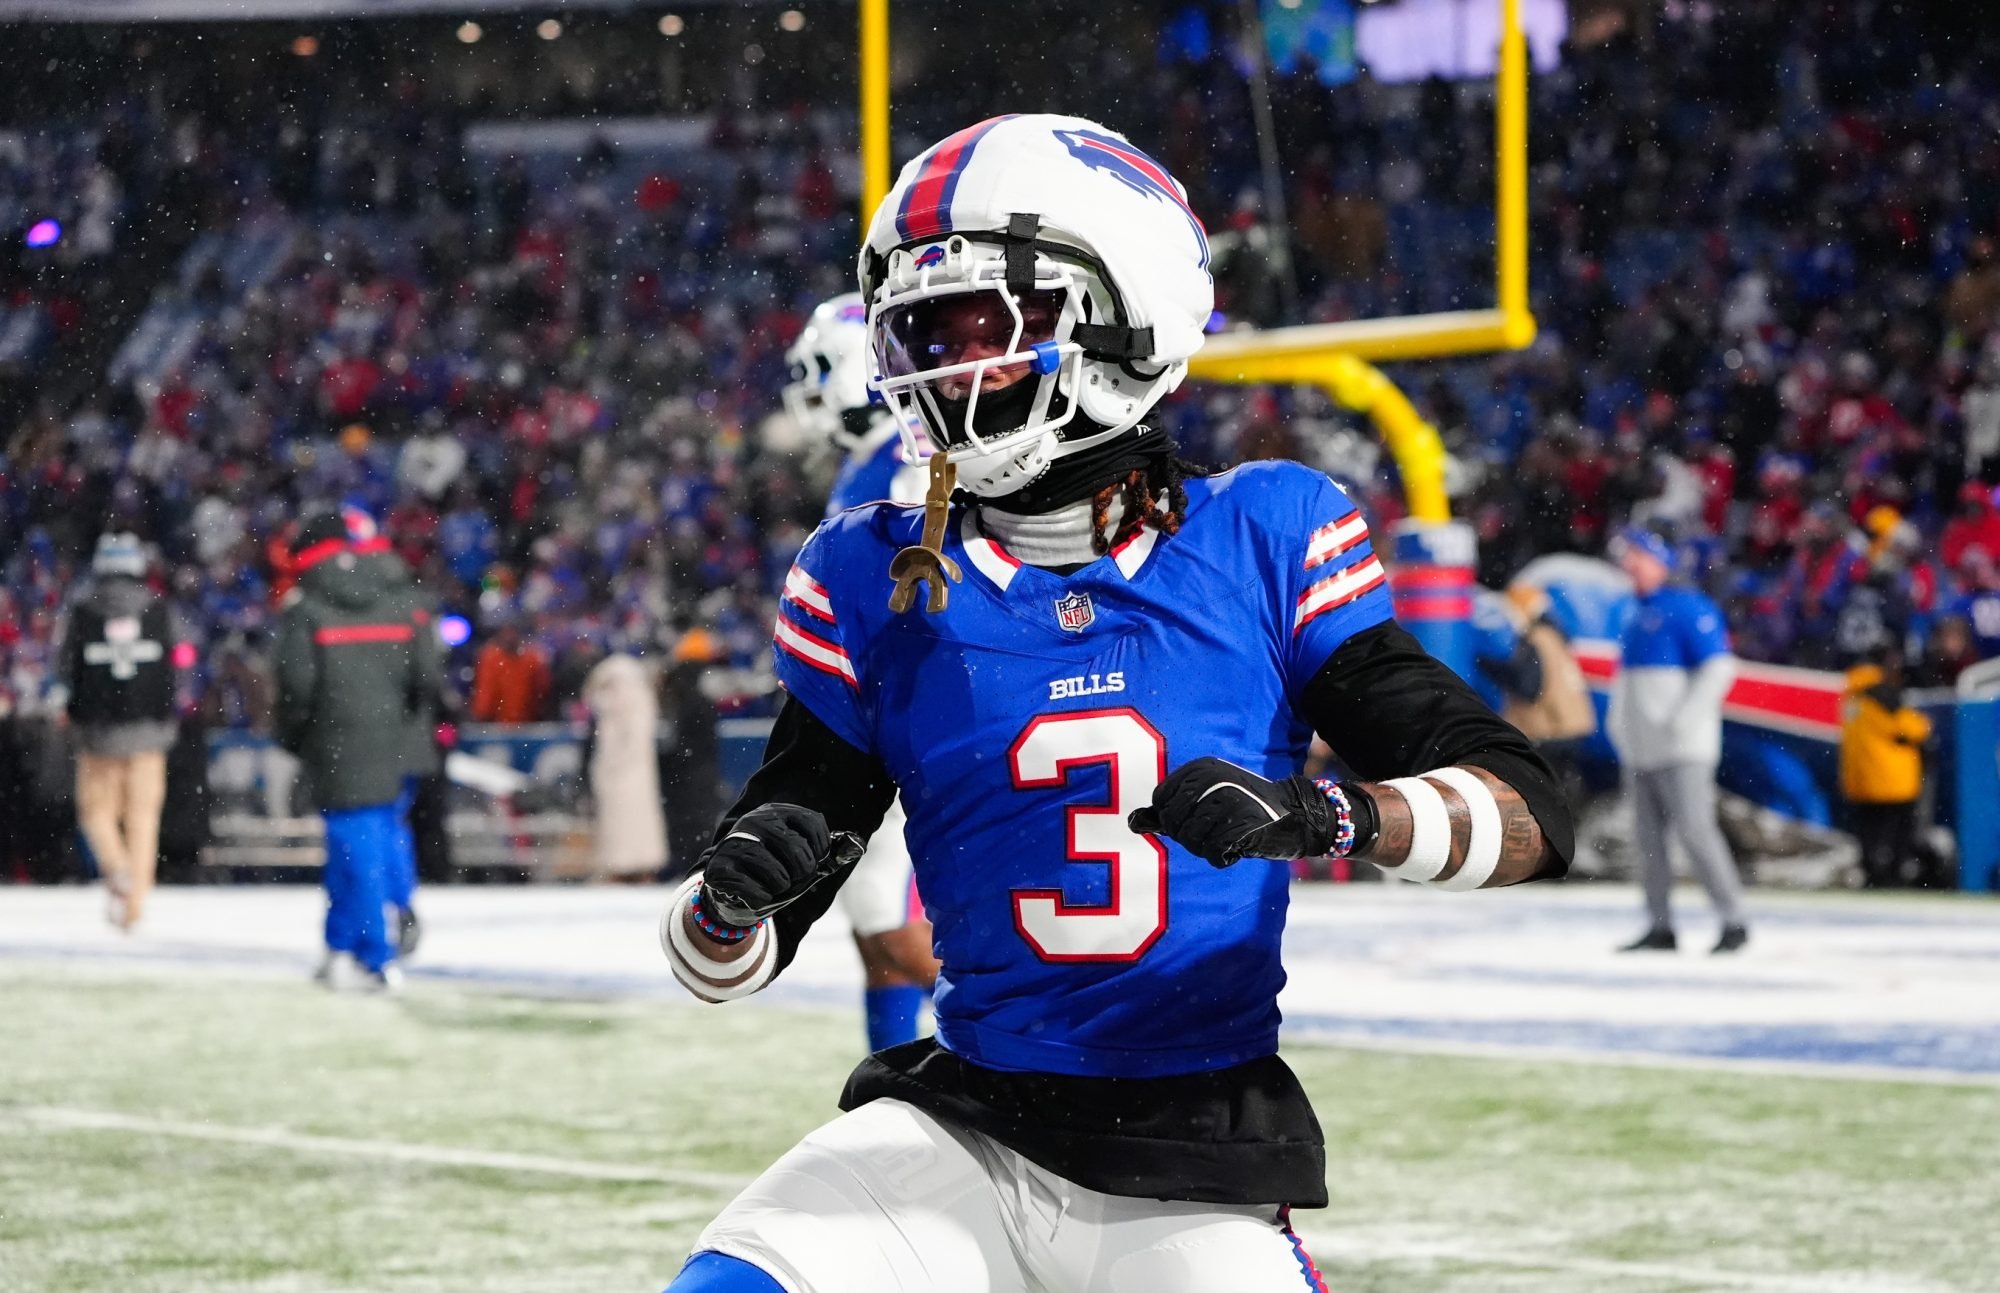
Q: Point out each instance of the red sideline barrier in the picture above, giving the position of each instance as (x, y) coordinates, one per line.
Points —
(1797, 702)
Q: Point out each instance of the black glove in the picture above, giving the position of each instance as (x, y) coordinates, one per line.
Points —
(768, 859)
(1224, 813)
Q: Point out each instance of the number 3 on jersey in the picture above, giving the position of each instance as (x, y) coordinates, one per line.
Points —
(1136, 914)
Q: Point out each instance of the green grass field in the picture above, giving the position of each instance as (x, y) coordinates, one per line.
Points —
(193, 1133)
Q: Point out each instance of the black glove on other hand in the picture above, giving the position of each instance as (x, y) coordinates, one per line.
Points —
(1224, 813)
(768, 860)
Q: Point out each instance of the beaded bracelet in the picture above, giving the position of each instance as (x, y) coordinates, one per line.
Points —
(716, 929)
(1343, 816)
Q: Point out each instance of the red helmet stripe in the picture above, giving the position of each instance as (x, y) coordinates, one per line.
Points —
(926, 206)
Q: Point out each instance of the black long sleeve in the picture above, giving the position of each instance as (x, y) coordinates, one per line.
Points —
(808, 764)
(1391, 709)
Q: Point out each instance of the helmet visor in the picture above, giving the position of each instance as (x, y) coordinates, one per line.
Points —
(955, 339)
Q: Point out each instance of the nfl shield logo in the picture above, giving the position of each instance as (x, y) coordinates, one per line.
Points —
(1074, 612)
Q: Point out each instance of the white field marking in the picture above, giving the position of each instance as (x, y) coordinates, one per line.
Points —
(65, 1119)
(1351, 1247)
(1362, 1249)
(1644, 1059)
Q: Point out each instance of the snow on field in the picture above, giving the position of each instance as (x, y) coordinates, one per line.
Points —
(1837, 983)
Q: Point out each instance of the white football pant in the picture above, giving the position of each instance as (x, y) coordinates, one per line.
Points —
(888, 1199)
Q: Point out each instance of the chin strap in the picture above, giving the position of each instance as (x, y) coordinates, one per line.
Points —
(925, 562)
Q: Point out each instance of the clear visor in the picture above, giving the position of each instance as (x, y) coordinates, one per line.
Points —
(952, 340)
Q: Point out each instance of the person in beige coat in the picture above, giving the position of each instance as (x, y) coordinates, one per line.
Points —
(624, 769)
(1562, 712)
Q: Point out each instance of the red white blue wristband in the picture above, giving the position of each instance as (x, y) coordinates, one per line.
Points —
(1343, 816)
(714, 928)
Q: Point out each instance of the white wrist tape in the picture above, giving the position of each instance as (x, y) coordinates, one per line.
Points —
(1482, 853)
(703, 974)
(1430, 830)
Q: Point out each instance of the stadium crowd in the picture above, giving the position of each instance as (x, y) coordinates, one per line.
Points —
(1765, 274)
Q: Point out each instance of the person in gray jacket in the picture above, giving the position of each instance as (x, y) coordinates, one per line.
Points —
(1666, 724)
(117, 669)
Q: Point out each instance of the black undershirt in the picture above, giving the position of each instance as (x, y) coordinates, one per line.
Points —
(1239, 1135)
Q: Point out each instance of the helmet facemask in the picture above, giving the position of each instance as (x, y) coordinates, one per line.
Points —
(826, 384)
(806, 379)
(989, 367)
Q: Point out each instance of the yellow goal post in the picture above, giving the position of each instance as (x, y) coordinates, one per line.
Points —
(1337, 357)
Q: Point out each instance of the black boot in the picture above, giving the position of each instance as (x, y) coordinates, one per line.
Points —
(1733, 937)
(1660, 938)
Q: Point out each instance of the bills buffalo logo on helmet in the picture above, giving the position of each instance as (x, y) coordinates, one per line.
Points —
(1074, 612)
(1133, 169)
(931, 256)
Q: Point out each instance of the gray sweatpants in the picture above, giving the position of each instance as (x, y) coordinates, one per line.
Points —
(1681, 798)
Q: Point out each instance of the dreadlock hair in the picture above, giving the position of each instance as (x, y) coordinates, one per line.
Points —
(1154, 495)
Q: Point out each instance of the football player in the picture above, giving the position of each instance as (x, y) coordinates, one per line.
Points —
(1098, 738)
(827, 395)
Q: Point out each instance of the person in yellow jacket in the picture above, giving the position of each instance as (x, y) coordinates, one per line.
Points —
(1882, 766)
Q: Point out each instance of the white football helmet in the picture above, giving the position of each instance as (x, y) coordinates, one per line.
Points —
(1035, 284)
(827, 391)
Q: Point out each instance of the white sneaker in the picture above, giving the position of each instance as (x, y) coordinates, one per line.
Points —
(388, 980)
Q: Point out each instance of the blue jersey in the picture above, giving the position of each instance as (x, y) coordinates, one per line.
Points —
(1024, 722)
(867, 475)
(1675, 628)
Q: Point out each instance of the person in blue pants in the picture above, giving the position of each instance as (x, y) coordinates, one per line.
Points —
(357, 661)
(362, 874)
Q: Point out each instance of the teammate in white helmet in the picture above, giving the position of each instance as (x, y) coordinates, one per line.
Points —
(1096, 720)
(827, 395)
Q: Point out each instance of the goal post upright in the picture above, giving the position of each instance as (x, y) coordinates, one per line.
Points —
(874, 17)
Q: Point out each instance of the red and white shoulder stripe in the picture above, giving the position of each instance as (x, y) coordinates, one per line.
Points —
(808, 594)
(1336, 591)
(1334, 538)
(810, 648)
(1355, 579)
(806, 598)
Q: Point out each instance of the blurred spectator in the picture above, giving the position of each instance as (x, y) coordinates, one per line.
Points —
(1666, 724)
(1972, 303)
(1974, 528)
(1882, 767)
(1506, 670)
(510, 681)
(1560, 712)
(184, 824)
(118, 648)
(1979, 606)
(623, 763)
(691, 770)
(352, 667)
(38, 787)
(1949, 653)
